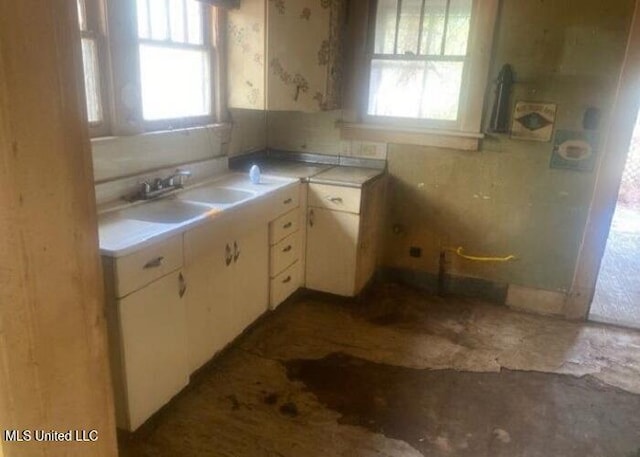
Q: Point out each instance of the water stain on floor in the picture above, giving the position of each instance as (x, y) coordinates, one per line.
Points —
(448, 412)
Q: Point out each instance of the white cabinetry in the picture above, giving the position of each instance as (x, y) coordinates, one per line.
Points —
(147, 330)
(343, 229)
(227, 263)
(285, 239)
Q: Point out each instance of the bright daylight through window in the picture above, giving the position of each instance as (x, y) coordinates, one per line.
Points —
(419, 56)
(174, 59)
(91, 66)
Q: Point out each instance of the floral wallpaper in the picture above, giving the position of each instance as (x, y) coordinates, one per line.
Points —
(304, 73)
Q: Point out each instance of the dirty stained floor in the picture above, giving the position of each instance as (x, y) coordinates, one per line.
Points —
(400, 373)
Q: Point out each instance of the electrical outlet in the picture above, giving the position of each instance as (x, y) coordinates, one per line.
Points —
(415, 252)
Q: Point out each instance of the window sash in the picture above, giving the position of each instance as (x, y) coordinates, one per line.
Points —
(207, 18)
(442, 56)
(92, 28)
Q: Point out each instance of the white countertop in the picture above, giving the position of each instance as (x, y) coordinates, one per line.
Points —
(346, 176)
(120, 233)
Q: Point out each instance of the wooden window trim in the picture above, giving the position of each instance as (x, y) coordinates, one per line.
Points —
(97, 31)
(119, 62)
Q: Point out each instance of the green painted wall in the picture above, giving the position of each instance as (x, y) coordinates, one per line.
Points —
(503, 199)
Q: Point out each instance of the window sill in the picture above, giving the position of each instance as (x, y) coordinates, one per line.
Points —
(465, 141)
(222, 128)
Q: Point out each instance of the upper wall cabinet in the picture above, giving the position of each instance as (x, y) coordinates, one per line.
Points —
(286, 55)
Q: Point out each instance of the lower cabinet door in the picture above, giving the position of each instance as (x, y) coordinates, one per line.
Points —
(209, 271)
(250, 282)
(154, 352)
(332, 244)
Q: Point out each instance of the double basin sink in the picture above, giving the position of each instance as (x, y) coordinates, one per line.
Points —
(188, 204)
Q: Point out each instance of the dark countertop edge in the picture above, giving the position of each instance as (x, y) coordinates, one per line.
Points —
(306, 157)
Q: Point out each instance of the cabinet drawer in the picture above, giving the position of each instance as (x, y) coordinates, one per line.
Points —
(335, 197)
(283, 285)
(285, 200)
(284, 226)
(284, 253)
(142, 267)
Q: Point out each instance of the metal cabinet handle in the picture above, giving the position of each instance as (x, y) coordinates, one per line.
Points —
(228, 256)
(236, 252)
(182, 285)
(311, 218)
(286, 280)
(335, 199)
(287, 249)
(154, 263)
(288, 201)
(287, 225)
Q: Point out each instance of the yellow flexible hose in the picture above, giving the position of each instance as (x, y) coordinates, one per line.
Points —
(460, 252)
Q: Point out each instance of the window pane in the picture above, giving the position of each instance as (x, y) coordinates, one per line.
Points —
(441, 93)
(194, 22)
(178, 19)
(433, 27)
(425, 90)
(394, 85)
(91, 80)
(409, 27)
(143, 19)
(82, 15)
(385, 26)
(159, 19)
(175, 82)
(458, 27)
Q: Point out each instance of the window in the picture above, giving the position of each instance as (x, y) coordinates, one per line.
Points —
(160, 56)
(88, 21)
(424, 69)
(174, 59)
(420, 49)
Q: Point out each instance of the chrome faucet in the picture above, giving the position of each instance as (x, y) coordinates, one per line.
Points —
(161, 186)
(170, 180)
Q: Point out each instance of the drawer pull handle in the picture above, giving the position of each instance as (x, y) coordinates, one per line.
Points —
(154, 263)
(311, 218)
(288, 201)
(286, 280)
(228, 256)
(335, 199)
(287, 249)
(236, 252)
(183, 286)
(287, 225)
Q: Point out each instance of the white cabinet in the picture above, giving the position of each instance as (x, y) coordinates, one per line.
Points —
(332, 250)
(343, 231)
(147, 330)
(286, 55)
(227, 265)
(153, 333)
(250, 282)
(208, 266)
(285, 238)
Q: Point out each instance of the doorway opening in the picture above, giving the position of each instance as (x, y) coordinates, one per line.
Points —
(617, 295)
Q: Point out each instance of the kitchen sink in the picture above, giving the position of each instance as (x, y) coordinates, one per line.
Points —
(216, 195)
(171, 211)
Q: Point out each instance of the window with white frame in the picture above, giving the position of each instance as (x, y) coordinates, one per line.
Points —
(427, 72)
(171, 60)
(175, 59)
(418, 60)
